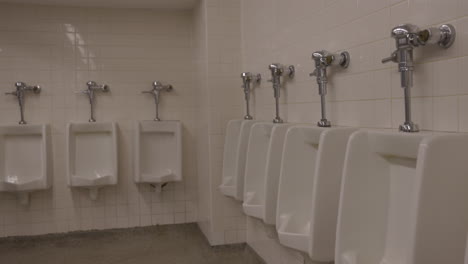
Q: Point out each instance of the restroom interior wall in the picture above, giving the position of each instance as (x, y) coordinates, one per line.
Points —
(202, 54)
(219, 52)
(367, 94)
(203, 154)
(63, 48)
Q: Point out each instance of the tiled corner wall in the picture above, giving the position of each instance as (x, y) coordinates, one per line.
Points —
(202, 54)
(218, 38)
(62, 48)
(367, 94)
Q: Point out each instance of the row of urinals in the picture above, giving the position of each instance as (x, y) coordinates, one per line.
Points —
(91, 156)
(351, 195)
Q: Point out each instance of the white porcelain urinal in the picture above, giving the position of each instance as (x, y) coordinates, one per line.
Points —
(264, 153)
(25, 159)
(92, 155)
(404, 199)
(255, 168)
(231, 141)
(235, 152)
(309, 189)
(273, 171)
(158, 151)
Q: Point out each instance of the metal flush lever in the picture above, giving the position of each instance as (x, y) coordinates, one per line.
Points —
(392, 58)
(157, 88)
(21, 88)
(247, 80)
(289, 71)
(277, 71)
(92, 87)
(324, 59)
(407, 37)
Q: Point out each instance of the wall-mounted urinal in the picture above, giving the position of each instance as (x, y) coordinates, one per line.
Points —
(255, 168)
(92, 155)
(273, 171)
(25, 159)
(158, 152)
(235, 152)
(264, 153)
(403, 199)
(309, 188)
(231, 141)
(235, 144)
(158, 146)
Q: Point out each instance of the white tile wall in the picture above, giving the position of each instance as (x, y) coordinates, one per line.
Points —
(367, 94)
(202, 54)
(219, 58)
(61, 49)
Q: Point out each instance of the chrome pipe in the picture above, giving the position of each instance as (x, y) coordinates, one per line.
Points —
(21, 88)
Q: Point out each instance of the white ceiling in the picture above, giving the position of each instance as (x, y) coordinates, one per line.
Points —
(164, 4)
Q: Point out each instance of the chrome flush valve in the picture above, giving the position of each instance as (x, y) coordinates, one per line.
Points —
(158, 87)
(21, 88)
(323, 59)
(247, 79)
(278, 70)
(92, 88)
(407, 37)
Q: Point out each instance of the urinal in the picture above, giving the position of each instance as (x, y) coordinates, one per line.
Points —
(273, 171)
(309, 187)
(25, 159)
(403, 199)
(231, 141)
(255, 168)
(235, 150)
(262, 169)
(92, 155)
(158, 152)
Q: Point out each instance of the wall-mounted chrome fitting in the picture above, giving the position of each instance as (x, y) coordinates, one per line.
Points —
(21, 88)
(408, 37)
(157, 88)
(247, 79)
(323, 59)
(93, 87)
(277, 71)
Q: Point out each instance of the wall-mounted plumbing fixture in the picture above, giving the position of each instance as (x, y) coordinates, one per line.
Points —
(408, 37)
(21, 88)
(92, 87)
(157, 88)
(278, 70)
(323, 59)
(247, 79)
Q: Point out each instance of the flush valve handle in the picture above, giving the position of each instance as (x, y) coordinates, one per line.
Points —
(314, 73)
(392, 58)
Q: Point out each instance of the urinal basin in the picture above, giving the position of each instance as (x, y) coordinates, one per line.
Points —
(158, 151)
(255, 169)
(403, 199)
(231, 141)
(263, 155)
(92, 157)
(273, 171)
(309, 187)
(235, 152)
(25, 158)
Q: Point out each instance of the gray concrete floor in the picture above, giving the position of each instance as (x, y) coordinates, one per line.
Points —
(171, 244)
